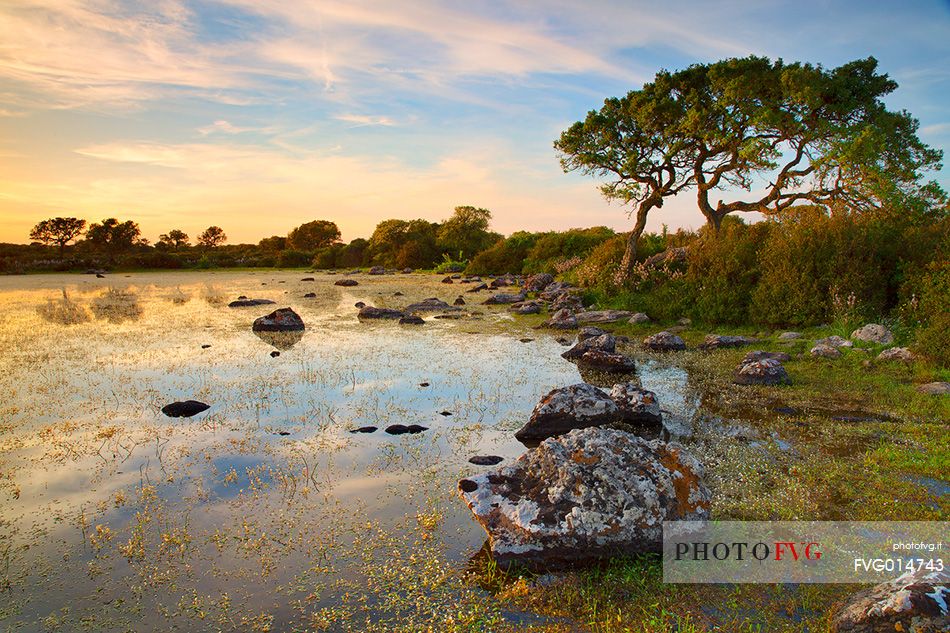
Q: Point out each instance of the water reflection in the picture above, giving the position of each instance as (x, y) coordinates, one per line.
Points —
(280, 340)
(117, 306)
(64, 311)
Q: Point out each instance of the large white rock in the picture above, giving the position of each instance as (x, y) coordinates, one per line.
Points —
(873, 333)
(567, 408)
(590, 494)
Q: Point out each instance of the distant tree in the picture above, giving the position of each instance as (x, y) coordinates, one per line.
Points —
(59, 231)
(313, 235)
(794, 133)
(113, 237)
(174, 239)
(354, 253)
(275, 243)
(212, 236)
(402, 243)
(466, 232)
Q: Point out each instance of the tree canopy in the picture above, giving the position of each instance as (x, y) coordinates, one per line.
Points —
(212, 236)
(466, 232)
(783, 133)
(313, 235)
(113, 237)
(174, 239)
(58, 231)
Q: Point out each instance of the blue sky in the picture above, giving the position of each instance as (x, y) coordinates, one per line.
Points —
(259, 116)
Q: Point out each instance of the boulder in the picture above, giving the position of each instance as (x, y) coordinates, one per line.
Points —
(603, 316)
(537, 283)
(477, 288)
(505, 280)
(370, 312)
(377, 270)
(310, 295)
(757, 355)
(605, 343)
(184, 409)
(638, 318)
(834, 341)
(589, 331)
(280, 320)
(246, 303)
(676, 255)
(574, 407)
(431, 304)
(359, 305)
(447, 280)
(664, 342)
(503, 298)
(935, 388)
(761, 372)
(459, 301)
(411, 319)
(789, 336)
(873, 333)
(308, 279)
(609, 362)
(915, 603)
(897, 353)
(636, 405)
(821, 350)
(346, 282)
(525, 307)
(364, 429)
(588, 495)
(406, 271)
(563, 319)
(568, 300)
(719, 341)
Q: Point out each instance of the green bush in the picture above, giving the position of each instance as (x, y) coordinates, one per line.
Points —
(291, 258)
(506, 256)
(552, 248)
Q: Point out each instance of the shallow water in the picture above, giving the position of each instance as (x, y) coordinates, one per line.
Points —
(264, 511)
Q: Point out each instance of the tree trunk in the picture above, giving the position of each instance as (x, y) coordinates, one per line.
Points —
(630, 253)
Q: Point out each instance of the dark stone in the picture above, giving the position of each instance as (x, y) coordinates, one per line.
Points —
(274, 354)
(308, 279)
(525, 340)
(447, 280)
(412, 319)
(423, 384)
(537, 283)
(100, 276)
(477, 288)
(486, 460)
(761, 372)
(205, 346)
(397, 429)
(364, 429)
(359, 304)
(397, 294)
(607, 362)
(445, 413)
(562, 410)
(184, 409)
(467, 485)
(416, 428)
(432, 304)
(310, 295)
(459, 301)
(282, 433)
(370, 312)
(346, 282)
(246, 303)
(280, 320)
(664, 342)
(718, 341)
(603, 342)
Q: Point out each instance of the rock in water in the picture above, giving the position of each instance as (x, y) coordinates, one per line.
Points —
(503, 298)
(664, 342)
(604, 343)
(432, 304)
(377, 270)
(370, 312)
(589, 331)
(246, 303)
(185, 409)
(599, 360)
(873, 333)
(590, 494)
(914, 603)
(568, 408)
(280, 320)
(485, 460)
(346, 282)
(761, 372)
(537, 283)
(525, 307)
(636, 405)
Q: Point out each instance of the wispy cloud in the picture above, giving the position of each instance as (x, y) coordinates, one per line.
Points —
(362, 120)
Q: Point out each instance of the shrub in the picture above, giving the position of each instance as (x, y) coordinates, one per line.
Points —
(506, 256)
(599, 269)
(291, 258)
(550, 249)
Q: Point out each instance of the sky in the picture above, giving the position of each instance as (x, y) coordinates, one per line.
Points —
(259, 115)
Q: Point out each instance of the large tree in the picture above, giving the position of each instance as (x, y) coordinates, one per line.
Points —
(785, 133)
(466, 232)
(113, 237)
(402, 243)
(212, 236)
(313, 235)
(174, 239)
(59, 231)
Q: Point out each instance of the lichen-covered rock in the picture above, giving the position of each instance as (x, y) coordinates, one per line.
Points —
(280, 320)
(537, 283)
(432, 304)
(789, 336)
(822, 350)
(377, 270)
(605, 343)
(371, 312)
(761, 372)
(664, 342)
(346, 282)
(590, 494)
(834, 341)
(603, 316)
(897, 353)
(505, 280)
(563, 319)
(525, 307)
(722, 341)
(638, 318)
(636, 405)
(504, 298)
(873, 333)
(589, 331)
(755, 355)
(914, 603)
(568, 300)
(555, 290)
(478, 288)
(604, 361)
(935, 388)
(562, 410)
